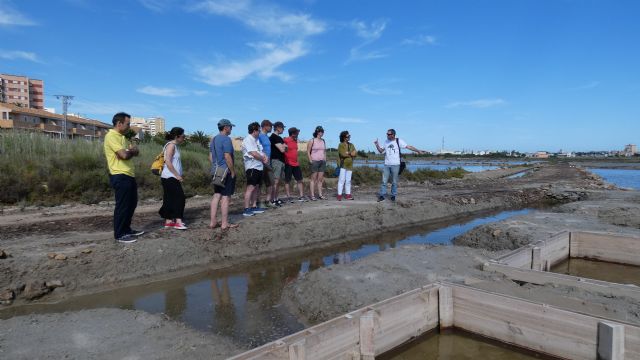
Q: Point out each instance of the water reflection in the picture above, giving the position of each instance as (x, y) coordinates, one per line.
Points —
(244, 303)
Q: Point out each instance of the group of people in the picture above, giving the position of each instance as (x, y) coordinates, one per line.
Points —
(268, 161)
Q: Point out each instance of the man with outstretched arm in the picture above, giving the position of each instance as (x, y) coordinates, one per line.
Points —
(391, 149)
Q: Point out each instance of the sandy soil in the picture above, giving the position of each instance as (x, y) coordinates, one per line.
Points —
(107, 334)
(73, 246)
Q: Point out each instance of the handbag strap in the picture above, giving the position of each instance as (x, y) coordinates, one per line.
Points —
(399, 150)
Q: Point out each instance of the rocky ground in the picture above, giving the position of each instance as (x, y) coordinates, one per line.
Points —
(107, 334)
(51, 254)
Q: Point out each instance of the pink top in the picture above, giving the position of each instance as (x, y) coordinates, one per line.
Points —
(317, 149)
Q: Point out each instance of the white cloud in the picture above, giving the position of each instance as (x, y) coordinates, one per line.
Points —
(381, 88)
(156, 5)
(159, 91)
(347, 120)
(270, 57)
(478, 104)
(18, 55)
(263, 18)
(420, 40)
(370, 33)
(11, 17)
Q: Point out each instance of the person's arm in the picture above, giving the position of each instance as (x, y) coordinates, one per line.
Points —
(418, 151)
(168, 160)
(210, 158)
(258, 156)
(282, 147)
(353, 152)
(380, 149)
(123, 154)
(309, 148)
(229, 161)
(344, 153)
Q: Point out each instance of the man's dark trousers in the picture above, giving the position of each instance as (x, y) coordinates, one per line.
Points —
(126, 202)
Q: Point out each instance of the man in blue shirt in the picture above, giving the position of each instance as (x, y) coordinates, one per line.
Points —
(267, 175)
(221, 155)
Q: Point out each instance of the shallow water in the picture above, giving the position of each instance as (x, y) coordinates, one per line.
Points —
(599, 270)
(243, 303)
(458, 345)
(620, 177)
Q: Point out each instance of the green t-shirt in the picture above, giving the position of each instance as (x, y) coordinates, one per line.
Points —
(345, 159)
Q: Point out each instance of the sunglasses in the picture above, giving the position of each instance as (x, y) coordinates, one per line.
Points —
(389, 134)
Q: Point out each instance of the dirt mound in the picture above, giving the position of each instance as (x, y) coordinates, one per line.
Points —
(107, 334)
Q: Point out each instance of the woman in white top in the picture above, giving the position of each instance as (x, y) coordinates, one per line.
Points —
(173, 199)
(316, 151)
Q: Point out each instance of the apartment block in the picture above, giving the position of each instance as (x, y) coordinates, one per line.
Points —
(17, 117)
(22, 91)
(153, 125)
(630, 150)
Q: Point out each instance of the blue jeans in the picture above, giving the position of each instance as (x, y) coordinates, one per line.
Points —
(390, 170)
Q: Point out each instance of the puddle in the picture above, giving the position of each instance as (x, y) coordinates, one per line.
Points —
(458, 345)
(243, 303)
(519, 175)
(599, 270)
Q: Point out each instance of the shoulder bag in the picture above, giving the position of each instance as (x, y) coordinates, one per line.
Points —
(218, 173)
(403, 164)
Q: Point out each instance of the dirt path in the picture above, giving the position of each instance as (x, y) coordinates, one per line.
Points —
(73, 246)
(107, 334)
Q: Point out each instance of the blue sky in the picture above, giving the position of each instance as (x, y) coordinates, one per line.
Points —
(513, 74)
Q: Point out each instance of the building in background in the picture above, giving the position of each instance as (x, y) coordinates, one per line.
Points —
(153, 125)
(630, 150)
(22, 91)
(21, 118)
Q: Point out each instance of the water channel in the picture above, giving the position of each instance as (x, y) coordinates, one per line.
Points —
(625, 178)
(244, 303)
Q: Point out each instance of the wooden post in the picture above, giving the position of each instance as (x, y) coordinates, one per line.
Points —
(367, 333)
(536, 261)
(610, 341)
(297, 351)
(445, 307)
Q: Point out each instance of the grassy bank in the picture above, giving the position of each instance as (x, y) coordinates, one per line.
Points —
(36, 169)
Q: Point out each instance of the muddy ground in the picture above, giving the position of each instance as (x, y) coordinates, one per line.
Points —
(329, 292)
(52, 254)
(107, 334)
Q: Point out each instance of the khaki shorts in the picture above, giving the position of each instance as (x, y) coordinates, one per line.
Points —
(278, 169)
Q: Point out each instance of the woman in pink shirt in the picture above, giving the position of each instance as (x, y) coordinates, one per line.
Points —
(316, 150)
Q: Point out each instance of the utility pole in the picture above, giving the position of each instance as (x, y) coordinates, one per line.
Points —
(65, 106)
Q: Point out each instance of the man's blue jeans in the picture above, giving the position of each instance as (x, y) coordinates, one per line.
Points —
(390, 171)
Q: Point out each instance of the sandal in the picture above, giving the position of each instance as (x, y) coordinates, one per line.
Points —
(313, 198)
(320, 197)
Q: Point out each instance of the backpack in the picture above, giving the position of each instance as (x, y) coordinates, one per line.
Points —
(158, 162)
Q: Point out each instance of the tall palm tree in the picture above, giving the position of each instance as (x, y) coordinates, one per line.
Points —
(199, 137)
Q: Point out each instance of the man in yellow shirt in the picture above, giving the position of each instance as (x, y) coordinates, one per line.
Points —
(119, 151)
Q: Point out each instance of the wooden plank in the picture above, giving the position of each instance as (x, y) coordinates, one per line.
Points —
(445, 307)
(536, 260)
(632, 342)
(542, 277)
(534, 326)
(297, 351)
(520, 258)
(555, 249)
(606, 247)
(610, 341)
(367, 333)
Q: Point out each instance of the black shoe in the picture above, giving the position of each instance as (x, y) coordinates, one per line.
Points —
(393, 198)
(136, 232)
(127, 239)
(380, 198)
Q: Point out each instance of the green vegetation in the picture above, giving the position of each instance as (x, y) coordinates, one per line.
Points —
(37, 169)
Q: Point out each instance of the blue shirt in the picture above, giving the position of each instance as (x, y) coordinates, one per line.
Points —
(266, 144)
(222, 145)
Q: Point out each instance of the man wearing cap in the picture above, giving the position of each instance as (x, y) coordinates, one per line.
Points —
(267, 174)
(278, 148)
(291, 165)
(391, 149)
(221, 154)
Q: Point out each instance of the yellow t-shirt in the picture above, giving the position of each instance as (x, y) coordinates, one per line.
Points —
(114, 141)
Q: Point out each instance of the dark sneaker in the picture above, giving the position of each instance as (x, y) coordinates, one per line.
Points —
(280, 202)
(127, 239)
(258, 210)
(302, 199)
(136, 232)
(380, 198)
(393, 198)
(247, 212)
